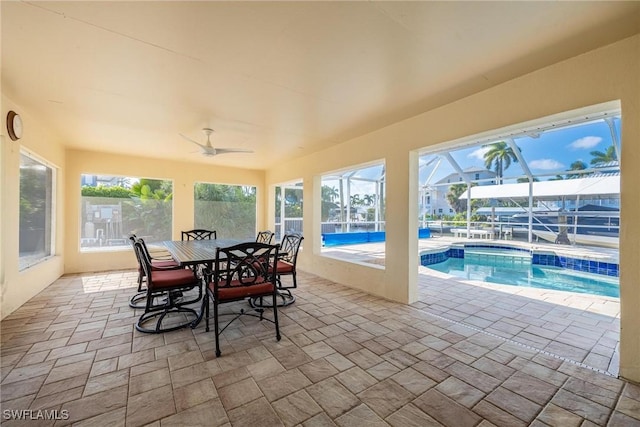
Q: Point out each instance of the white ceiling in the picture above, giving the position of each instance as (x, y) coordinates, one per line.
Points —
(280, 78)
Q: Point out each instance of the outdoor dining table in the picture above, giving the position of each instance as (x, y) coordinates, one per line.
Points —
(193, 253)
(190, 253)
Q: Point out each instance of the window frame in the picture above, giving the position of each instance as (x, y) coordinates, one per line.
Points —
(52, 214)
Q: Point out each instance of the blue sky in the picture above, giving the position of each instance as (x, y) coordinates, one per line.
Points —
(552, 152)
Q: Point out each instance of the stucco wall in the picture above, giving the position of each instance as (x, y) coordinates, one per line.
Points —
(17, 287)
(605, 75)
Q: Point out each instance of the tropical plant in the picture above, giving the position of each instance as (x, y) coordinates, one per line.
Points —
(525, 179)
(152, 205)
(33, 198)
(604, 157)
(152, 189)
(459, 219)
(453, 197)
(115, 192)
(369, 199)
(330, 194)
(342, 205)
(293, 202)
(228, 209)
(499, 157)
(328, 197)
(578, 165)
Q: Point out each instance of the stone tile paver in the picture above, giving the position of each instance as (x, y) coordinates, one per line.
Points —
(463, 354)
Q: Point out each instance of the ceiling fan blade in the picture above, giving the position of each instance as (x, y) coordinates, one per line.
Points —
(232, 150)
(192, 141)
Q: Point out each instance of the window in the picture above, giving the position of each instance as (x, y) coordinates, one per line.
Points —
(360, 192)
(575, 159)
(113, 207)
(288, 213)
(353, 208)
(36, 211)
(228, 209)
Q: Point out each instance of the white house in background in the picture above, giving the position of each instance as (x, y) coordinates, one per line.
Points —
(433, 196)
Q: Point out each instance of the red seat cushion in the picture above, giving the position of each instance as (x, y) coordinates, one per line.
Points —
(238, 292)
(164, 264)
(173, 278)
(282, 267)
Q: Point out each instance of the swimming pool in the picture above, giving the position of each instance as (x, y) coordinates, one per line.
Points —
(519, 271)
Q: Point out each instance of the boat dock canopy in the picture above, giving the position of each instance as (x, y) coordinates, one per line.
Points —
(513, 210)
(593, 187)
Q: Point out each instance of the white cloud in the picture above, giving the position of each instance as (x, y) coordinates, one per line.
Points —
(546, 164)
(479, 153)
(586, 142)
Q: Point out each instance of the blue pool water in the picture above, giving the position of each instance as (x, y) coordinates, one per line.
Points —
(520, 272)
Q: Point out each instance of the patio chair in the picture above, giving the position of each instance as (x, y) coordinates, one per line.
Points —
(284, 265)
(166, 295)
(163, 261)
(199, 234)
(507, 233)
(265, 236)
(241, 271)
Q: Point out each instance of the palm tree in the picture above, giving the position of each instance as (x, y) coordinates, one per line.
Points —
(500, 156)
(607, 156)
(453, 197)
(524, 179)
(578, 165)
(329, 194)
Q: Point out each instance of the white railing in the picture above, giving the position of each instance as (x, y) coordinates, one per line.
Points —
(291, 225)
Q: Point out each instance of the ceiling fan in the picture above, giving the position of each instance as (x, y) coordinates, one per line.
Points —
(209, 150)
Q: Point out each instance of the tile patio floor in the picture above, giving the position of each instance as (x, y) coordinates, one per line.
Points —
(464, 355)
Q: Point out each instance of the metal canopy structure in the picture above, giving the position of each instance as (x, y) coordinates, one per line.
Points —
(590, 187)
(350, 183)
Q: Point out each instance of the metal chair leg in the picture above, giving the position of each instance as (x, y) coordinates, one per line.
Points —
(217, 330)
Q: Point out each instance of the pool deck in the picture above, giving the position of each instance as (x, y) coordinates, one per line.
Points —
(367, 252)
(578, 328)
